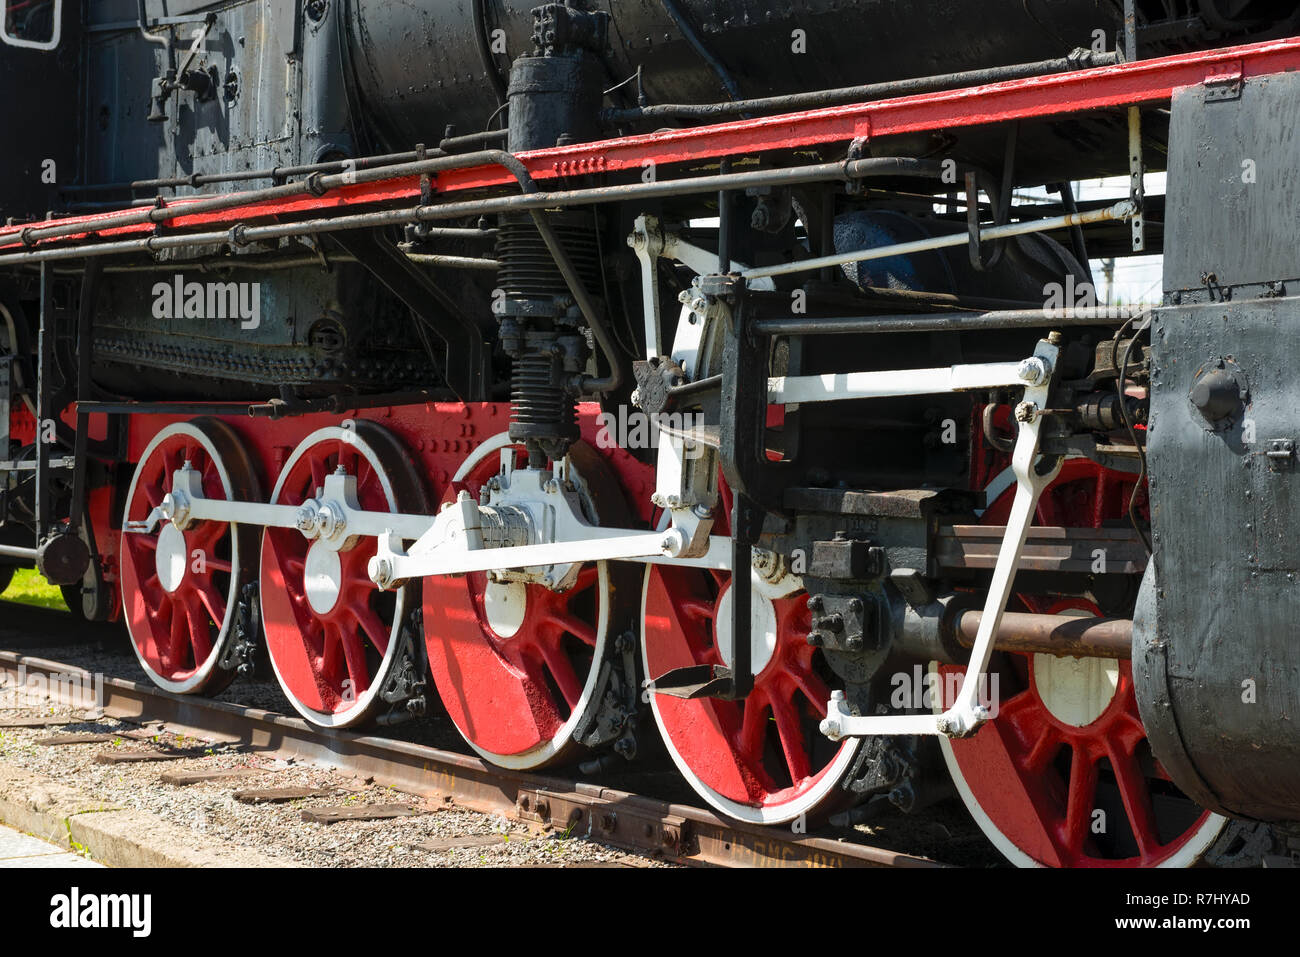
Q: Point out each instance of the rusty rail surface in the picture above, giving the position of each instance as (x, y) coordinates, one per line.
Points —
(677, 833)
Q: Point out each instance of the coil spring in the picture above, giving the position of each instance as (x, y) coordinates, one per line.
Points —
(540, 406)
(527, 270)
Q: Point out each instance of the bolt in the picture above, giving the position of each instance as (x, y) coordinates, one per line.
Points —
(1032, 370)
(1026, 412)
(855, 605)
(854, 642)
(815, 638)
(815, 603)
(1055, 338)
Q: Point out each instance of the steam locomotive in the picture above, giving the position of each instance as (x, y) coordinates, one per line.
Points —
(725, 376)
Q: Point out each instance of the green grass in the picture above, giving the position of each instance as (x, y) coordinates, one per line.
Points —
(29, 587)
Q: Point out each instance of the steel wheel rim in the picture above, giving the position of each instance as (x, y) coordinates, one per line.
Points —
(455, 627)
(1116, 735)
(304, 644)
(137, 554)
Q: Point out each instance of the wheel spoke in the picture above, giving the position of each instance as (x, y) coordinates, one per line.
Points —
(1044, 748)
(814, 689)
(370, 624)
(570, 624)
(355, 656)
(213, 602)
(1136, 794)
(793, 744)
(1081, 802)
(561, 669)
(753, 730)
(329, 654)
(588, 577)
(200, 631)
(178, 639)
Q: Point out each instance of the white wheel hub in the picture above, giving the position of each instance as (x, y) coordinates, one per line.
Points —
(1076, 691)
(171, 557)
(504, 604)
(322, 577)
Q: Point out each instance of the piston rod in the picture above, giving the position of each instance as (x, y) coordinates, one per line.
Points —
(1053, 634)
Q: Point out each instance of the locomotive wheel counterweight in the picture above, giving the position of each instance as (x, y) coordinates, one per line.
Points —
(180, 588)
(1062, 775)
(333, 637)
(517, 663)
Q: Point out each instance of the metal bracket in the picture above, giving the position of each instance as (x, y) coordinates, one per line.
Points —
(1281, 454)
(1224, 85)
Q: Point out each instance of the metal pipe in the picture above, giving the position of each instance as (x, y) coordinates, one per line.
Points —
(1121, 210)
(1053, 634)
(1079, 59)
(164, 41)
(17, 551)
(458, 262)
(945, 322)
(316, 184)
(695, 185)
(693, 38)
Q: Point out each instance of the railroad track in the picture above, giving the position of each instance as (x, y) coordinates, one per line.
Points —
(674, 832)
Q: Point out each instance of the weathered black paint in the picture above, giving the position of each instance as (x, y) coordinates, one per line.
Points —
(1216, 658)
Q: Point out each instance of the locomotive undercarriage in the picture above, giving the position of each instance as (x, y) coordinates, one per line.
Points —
(865, 514)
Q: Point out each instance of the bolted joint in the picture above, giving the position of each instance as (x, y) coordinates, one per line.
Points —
(331, 520)
(1034, 370)
(307, 519)
(380, 571)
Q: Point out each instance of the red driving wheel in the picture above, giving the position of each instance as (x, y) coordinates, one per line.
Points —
(517, 663)
(332, 635)
(1062, 775)
(180, 587)
(762, 760)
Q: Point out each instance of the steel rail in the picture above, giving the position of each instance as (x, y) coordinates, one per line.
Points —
(679, 833)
